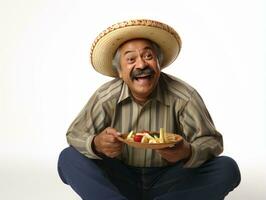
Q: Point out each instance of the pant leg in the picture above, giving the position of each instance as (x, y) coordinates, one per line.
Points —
(124, 177)
(213, 180)
(86, 177)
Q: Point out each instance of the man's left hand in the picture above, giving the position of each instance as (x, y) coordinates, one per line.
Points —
(181, 151)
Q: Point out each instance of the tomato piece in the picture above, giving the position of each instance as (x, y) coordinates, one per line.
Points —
(137, 138)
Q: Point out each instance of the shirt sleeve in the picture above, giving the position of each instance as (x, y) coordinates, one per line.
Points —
(199, 131)
(90, 121)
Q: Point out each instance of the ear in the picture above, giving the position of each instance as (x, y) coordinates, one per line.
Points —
(119, 74)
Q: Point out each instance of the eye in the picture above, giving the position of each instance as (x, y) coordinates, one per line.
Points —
(130, 59)
(148, 55)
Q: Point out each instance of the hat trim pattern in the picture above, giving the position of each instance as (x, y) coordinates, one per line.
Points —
(137, 22)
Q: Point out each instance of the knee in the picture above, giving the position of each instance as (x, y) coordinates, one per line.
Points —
(67, 156)
(71, 159)
(230, 170)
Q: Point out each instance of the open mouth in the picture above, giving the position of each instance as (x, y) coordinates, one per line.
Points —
(143, 77)
(142, 74)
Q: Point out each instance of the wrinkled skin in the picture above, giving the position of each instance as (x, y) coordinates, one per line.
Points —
(136, 56)
(107, 143)
(182, 151)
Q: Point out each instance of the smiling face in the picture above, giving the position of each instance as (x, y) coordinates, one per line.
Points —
(140, 68)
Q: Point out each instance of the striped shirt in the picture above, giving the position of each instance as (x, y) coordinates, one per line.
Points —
(173, 105)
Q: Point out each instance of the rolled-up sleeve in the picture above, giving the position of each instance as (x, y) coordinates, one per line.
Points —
(199, 130)
(87, 124)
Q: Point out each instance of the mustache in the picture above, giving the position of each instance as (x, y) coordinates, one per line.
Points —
(142, 72)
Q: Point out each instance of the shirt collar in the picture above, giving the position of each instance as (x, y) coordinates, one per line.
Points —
(158, 94)
(125, 93)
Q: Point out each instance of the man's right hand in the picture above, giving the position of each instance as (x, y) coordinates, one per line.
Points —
(107, 143)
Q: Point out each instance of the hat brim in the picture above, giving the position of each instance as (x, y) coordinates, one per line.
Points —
(106, 44)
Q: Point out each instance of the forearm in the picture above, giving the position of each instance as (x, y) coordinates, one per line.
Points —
(202, 149)
(199, 130)
(88, 123)
(82, 144)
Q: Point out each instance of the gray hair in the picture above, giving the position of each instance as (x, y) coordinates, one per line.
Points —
(116, 58)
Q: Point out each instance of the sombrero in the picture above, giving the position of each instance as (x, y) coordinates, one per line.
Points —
(107, 42)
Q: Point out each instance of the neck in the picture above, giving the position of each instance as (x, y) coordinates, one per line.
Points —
(140, 100)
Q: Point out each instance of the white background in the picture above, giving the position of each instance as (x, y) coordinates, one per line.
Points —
(46, 78)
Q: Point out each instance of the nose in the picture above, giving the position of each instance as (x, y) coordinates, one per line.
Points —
(141, 64)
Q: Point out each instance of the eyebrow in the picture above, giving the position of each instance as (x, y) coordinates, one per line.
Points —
(145, 48)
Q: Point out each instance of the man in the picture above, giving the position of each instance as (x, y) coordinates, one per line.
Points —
(141, 97)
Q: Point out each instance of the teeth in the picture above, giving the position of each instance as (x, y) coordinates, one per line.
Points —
(137, 78)
(146, 76)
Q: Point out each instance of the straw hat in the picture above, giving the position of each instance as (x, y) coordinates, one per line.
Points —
(107, 42)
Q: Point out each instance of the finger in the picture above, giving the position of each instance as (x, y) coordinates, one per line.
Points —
(165, 152)
(161, 151)
(112, 131)
(113, 154)
(112, 148)
(107, 149)
(111, 139)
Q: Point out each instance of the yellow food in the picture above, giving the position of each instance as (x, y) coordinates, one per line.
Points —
(161, 135)
(148, 138)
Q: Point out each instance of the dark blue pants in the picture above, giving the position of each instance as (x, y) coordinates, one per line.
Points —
(110, 179)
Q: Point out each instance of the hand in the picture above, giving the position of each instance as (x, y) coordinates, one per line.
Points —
(107, 143)
(181, 151)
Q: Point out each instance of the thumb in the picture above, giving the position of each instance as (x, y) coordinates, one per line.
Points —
(113, 132)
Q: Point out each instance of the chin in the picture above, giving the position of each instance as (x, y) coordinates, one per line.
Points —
(144, 93)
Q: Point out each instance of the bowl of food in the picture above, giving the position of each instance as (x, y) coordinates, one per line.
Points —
(150, 139)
